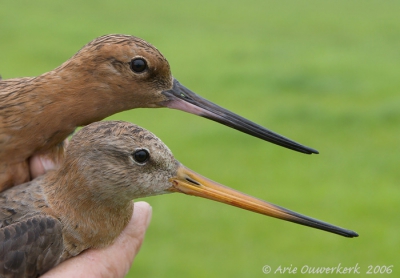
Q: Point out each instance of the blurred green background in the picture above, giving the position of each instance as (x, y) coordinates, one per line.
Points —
(323, 73)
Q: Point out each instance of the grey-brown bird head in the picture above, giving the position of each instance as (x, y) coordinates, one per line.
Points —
(116, 160)
(121, 160)
(86, 203)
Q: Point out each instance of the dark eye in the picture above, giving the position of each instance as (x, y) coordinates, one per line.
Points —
(138, 65)
(141, 156)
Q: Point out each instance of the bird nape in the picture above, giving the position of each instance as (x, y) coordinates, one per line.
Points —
(110, 74)
(87, 202)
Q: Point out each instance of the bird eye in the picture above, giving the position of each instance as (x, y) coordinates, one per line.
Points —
(141, 156)
(138, 65)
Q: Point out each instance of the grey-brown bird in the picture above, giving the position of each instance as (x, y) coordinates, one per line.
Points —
(87, 202)
(112, 73)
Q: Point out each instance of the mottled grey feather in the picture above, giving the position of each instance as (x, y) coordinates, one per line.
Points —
(30, 242)
(39, 235)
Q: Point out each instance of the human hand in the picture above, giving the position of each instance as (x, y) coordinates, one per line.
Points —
(114, 260)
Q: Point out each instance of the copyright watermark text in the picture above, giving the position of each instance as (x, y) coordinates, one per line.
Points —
(336, 269)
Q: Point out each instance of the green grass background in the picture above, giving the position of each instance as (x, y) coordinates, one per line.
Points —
(324, 73)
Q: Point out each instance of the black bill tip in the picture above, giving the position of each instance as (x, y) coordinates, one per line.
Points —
(301, 219)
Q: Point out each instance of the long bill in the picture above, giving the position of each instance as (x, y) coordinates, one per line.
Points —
(189, 182)
(181, 98)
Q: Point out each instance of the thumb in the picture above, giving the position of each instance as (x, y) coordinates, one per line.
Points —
(114, 260)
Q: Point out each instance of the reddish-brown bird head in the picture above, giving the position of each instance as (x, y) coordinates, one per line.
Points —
(129, 72)
(111, 74)
(130, 69)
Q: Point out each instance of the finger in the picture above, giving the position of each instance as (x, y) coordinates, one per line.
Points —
(38, 165)
(41, 163)
(114, 260)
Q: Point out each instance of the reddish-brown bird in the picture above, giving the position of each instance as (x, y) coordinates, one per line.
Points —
(112, 73)
(87, 202)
